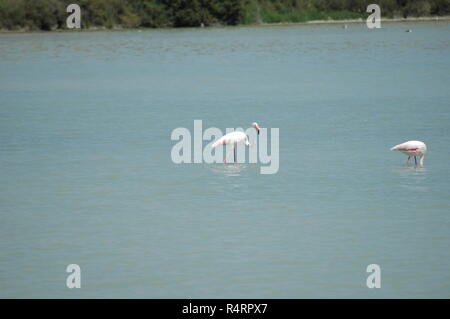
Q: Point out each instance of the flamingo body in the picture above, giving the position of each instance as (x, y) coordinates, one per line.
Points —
(412, 149)
(232, 138)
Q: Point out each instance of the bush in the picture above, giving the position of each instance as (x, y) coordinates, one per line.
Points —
(51, 14)
(417, 8)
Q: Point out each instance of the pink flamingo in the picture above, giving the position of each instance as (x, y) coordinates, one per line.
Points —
(235, 138)
(412, 148)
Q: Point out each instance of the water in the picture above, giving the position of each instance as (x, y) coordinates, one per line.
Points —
(86, 174)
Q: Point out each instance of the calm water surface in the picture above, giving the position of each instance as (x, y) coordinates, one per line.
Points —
(86, 174)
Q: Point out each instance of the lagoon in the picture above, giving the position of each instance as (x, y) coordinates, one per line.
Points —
(87, 177)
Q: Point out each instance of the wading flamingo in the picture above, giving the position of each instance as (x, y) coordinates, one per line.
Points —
(235, 138)
(412, 148)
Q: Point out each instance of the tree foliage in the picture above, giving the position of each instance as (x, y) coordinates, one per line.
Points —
(51, 14)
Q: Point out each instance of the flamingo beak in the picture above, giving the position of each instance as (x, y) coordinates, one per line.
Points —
(257, 128)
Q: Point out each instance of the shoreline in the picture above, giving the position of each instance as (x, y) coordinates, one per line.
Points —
(343, 21)
(361, 20)
(411, 19)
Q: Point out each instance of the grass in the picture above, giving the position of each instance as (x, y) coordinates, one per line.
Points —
(267, 16)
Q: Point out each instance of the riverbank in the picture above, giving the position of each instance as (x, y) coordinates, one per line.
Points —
(329, 21)
(51, 15)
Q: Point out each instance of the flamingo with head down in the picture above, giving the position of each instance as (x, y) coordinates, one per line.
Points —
(412, 148)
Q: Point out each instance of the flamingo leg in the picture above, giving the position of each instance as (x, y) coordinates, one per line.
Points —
(407, 161)
(234, 149)
(421, 161)
(415, 161)
(225, 159)
(227, 153)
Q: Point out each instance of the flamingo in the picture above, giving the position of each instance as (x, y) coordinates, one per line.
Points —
(235, 138)
(412, 148)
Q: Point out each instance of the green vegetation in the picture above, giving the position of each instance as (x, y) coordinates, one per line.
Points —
(51, 14)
